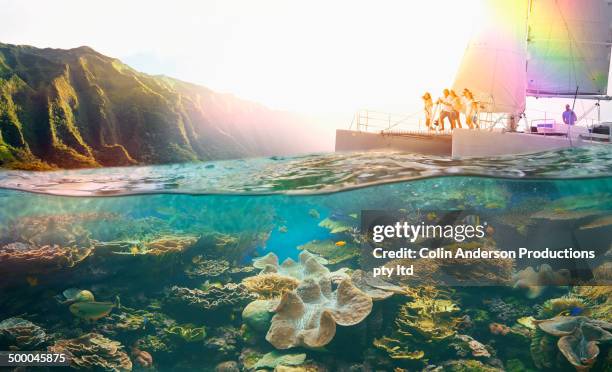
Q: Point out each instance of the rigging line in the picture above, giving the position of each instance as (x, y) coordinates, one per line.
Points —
(569, 36)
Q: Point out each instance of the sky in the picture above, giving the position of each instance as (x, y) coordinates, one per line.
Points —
(315, 57)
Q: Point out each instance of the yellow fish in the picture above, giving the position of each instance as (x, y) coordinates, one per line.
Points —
(431, 216)
(91, 311)
(134, 250)
(341, 243)
(32, 281)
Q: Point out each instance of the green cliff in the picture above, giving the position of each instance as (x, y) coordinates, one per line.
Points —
(78, 108)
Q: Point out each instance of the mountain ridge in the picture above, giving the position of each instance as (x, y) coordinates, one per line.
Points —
(75, 108)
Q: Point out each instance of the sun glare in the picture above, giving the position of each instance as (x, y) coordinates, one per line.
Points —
(308, 56)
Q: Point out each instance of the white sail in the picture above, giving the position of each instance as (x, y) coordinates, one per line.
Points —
(493, 66)
(569, 47)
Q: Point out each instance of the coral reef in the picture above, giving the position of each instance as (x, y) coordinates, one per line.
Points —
(457, 271)
(421, 324)
(212, 298)
(271, 285)
(536, 281)
(142, 358)
(93, 351)
(135, 320)
(55, 229)
(376, 288)
(308, 315)
(20, 334)
(579, 338)
(203, 268)
(231, 247)
(507, 311)
(23, 259)
(187, 332)
(308, 266)
(330, 251)
(337, 225)
(258, 314)
(169, 244)
(477, 349)
(566, 305)
(223, 342)
(274, 359)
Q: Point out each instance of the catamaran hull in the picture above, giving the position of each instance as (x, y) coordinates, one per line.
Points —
(463, 143)
(349, 140)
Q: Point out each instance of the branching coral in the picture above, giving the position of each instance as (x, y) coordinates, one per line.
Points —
(421, 324)
(187, 332)
(270, 285)
(203, 268)
(169, 244)
(93, 351)
(212, 298)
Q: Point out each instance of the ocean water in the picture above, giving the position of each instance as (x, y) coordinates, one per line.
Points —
(133, 234)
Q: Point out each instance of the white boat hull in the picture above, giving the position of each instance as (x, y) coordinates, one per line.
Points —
(463, 143)
(350, 140)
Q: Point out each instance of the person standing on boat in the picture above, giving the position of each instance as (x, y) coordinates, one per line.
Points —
(457, 109)
(569, 116)
(446, 109)
(470, 106)
(428, 109)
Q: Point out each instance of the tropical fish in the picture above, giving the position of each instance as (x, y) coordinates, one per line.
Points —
(314, 214)
(32, 281)
(134, 250)
(73, 295)
(283, 229)
(431, 216)
(91, 311)
(341, 243)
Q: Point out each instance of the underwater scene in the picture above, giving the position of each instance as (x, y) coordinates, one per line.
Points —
(262, 265)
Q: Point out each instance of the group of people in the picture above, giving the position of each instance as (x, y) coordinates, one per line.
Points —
(451, 106)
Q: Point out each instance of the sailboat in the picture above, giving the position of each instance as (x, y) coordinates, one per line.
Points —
(519, 49)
